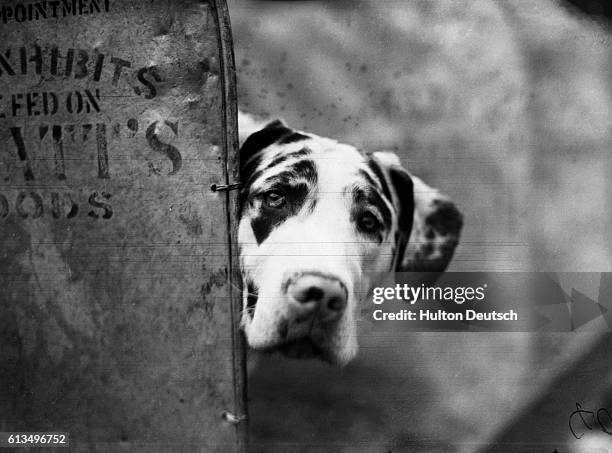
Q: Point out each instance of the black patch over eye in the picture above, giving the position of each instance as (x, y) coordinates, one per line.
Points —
(284, 199)
(274, 199)
(276, 206)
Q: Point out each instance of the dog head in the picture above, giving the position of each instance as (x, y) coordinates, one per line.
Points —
(319, 220)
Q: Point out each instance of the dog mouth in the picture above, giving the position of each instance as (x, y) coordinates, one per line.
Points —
(252, 295)
(311, 342)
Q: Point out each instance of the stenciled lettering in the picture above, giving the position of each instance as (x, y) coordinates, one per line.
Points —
(51, 9)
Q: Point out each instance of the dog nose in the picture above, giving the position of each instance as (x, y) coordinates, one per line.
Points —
(326, 295)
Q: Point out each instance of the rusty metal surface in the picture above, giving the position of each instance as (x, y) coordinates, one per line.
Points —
(115, 313)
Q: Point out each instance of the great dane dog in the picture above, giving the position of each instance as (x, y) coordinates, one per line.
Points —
(320, 221)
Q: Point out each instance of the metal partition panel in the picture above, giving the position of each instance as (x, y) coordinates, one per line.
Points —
(116, 308)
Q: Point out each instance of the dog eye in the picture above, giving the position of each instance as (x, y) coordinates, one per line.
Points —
(368, 222)
(274, 199)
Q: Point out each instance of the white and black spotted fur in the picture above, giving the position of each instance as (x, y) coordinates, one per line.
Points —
(320, 220)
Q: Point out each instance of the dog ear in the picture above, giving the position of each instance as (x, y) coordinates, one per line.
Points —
(435, 224)
(257, 141)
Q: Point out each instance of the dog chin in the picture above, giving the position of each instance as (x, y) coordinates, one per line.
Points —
(306, 348)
